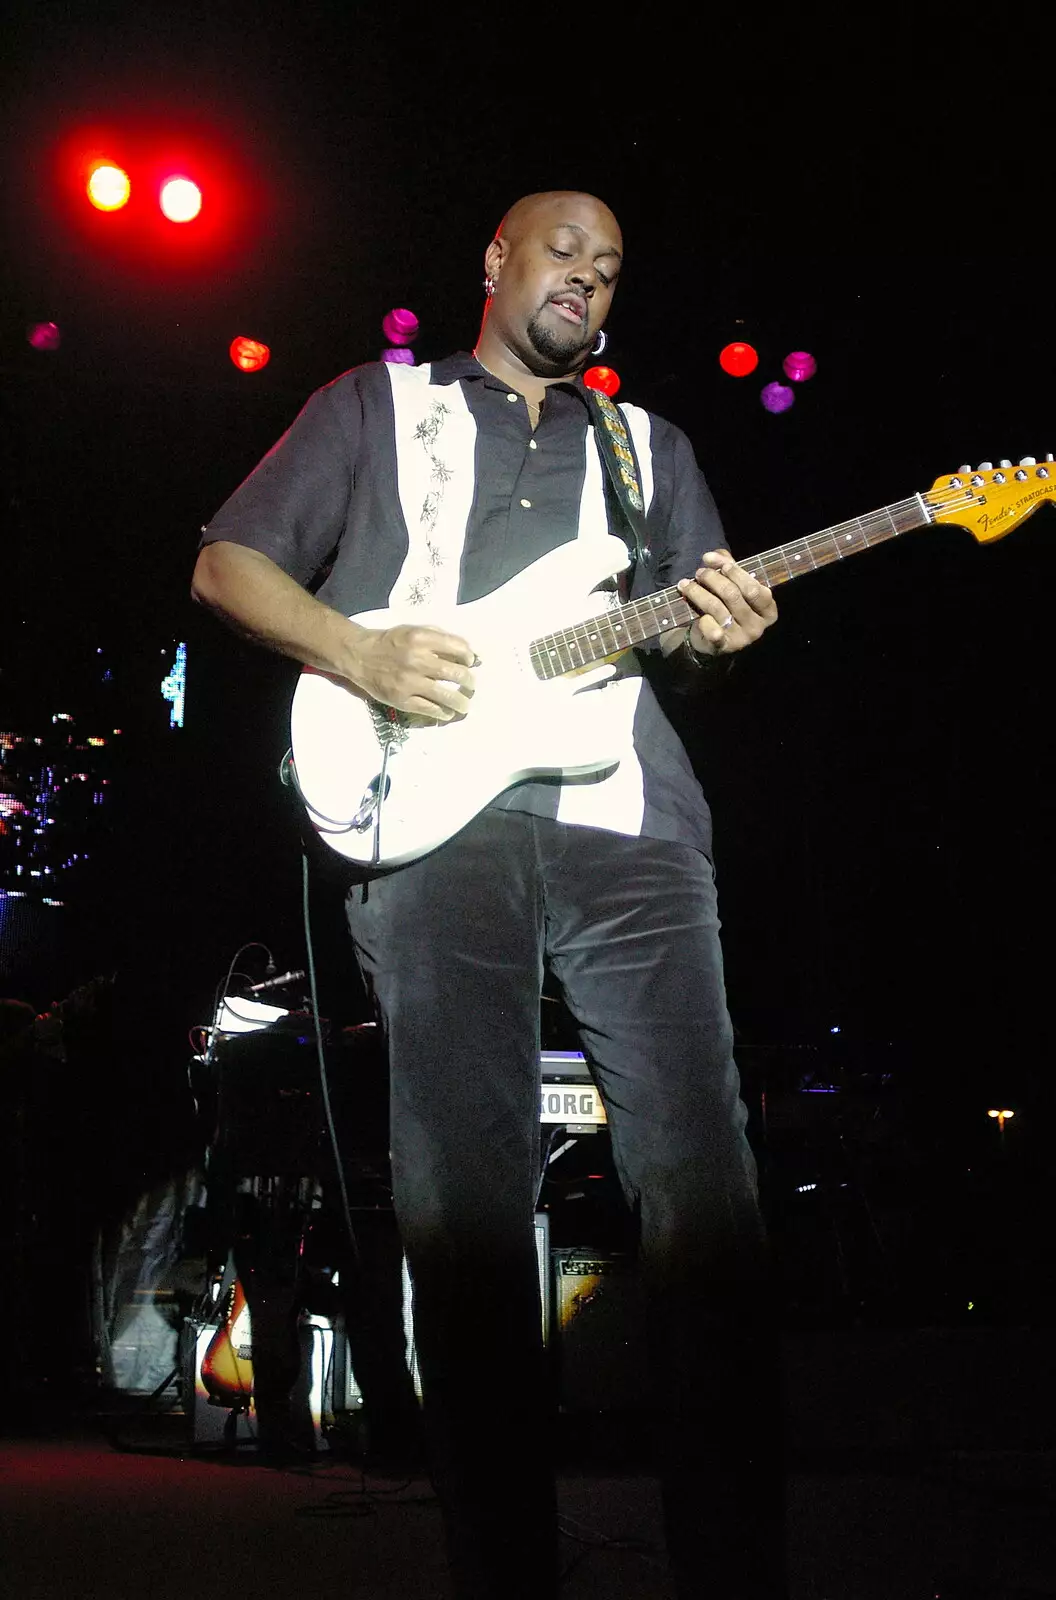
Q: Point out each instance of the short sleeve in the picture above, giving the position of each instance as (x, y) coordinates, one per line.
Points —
(294, 505)
(683, 518)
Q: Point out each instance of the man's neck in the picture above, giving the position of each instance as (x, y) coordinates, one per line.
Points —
(501, 362)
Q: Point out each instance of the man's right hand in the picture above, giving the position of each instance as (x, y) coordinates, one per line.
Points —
(417, 669)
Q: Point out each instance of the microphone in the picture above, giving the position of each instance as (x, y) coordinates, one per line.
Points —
(276, 983)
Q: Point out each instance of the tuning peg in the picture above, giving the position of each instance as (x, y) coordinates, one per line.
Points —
(966, 469)
(1004, 463)
(986, 466)
(1028, 461)
(1049, 457)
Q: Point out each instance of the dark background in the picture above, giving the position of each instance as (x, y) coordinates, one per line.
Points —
(867, 193)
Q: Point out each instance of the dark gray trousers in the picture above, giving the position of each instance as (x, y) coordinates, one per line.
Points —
(453, 949)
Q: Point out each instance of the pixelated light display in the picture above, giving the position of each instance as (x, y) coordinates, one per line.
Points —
(174, 687)
(180, 199)
(603, 379)
(799, 365)
(108, 187)
(44, 335)
(248, 355)
(738, 359)
(777, 397)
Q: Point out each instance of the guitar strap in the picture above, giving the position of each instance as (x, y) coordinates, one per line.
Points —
(616, 448)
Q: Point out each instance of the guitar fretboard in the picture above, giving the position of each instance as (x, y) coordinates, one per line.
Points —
(640, 620)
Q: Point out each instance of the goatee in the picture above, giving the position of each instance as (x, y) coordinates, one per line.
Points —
(546, 342)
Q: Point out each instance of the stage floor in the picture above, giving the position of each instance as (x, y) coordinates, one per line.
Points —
(114, 1502)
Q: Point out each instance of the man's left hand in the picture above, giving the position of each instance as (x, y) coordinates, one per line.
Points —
(735, 608)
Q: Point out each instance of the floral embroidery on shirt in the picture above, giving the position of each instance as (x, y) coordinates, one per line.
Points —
(427, 432)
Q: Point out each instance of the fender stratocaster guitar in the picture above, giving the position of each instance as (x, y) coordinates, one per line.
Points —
(382, 787)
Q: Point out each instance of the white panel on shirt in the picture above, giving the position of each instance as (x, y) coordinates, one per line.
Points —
(436, 440)
(617, 801)
(435, 437)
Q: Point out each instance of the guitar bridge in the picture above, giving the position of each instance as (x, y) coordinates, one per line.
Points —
(390, 725)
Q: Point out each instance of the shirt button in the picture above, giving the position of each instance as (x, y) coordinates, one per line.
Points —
(527, 504)
(513, 397)
(531, 445)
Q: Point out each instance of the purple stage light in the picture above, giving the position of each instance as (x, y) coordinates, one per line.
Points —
(399, 326)
(398, 356)
(777, 397)
(799, 365)
(44, 335)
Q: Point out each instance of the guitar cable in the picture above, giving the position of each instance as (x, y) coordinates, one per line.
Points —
(324, 1083)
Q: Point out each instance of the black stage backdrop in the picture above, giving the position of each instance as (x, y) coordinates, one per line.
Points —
(876, 766)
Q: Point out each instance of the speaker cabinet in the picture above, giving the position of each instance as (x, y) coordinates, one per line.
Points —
(598, 1327)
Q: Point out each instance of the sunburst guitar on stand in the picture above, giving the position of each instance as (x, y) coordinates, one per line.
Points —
(383, 787)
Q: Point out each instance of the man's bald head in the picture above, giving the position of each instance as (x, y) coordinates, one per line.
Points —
(552, 267)
(533, 210)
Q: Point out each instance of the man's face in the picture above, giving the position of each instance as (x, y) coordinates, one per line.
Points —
(555, 275)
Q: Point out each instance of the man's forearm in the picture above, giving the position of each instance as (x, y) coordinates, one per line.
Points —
(253, 595)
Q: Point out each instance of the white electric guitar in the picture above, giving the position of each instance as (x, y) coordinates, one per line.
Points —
(382, 787)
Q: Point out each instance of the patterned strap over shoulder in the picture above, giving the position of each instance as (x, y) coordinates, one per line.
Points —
(617, 452)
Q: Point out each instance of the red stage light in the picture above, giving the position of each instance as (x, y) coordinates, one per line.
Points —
(603, 378)
(108, 187)
(738, 359)
(180, 199)
(249, 355)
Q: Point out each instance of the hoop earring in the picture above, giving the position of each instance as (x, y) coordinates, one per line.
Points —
(600, 343)
(489, 287)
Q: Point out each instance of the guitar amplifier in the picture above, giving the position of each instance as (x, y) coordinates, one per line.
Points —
(599, 1329)
(312, 1399)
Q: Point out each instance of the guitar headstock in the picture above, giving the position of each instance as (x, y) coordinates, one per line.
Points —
(990, 501)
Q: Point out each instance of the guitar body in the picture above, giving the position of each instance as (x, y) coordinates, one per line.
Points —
(227, 1365)
(439, 775)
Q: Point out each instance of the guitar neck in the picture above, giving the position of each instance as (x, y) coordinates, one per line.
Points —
(641, 620)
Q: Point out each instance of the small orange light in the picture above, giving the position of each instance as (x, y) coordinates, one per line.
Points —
(249, 355)
(108, 187)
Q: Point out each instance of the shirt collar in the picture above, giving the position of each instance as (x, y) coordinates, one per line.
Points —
(451, 369)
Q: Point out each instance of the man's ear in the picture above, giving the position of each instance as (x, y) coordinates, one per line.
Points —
(494, 256)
